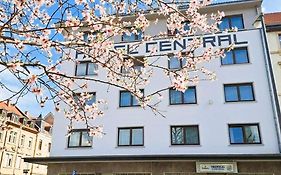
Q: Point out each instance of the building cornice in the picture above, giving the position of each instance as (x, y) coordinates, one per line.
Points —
(273, 28)
(157, 158)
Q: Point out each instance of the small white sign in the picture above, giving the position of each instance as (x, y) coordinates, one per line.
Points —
(216, 167)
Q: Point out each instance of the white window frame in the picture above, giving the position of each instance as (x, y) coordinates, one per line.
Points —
(9, 159)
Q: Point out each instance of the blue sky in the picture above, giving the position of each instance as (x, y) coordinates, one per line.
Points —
(28, 102)
(271, 6)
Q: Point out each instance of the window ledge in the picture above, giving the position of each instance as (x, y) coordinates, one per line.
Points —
(129, 147)
(246, 144)
(72, 148)
(174, 146)
(184, 104)
(240, 102)
(86, 75)
(129, 107)
(239, 64)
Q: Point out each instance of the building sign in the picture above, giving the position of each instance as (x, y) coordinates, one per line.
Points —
(216, 167)
(164, 46)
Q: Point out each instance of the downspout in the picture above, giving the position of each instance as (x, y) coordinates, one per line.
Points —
(271, 82)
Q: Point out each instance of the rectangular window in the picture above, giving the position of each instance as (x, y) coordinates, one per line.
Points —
(9, 160)
(127, 99)
(178, 97)
(86, 68)
(244, 134)
(138, 63)
(22, 140)
(79, 138)
(236, 56)
(279, 36)
(239, 92)
(130, 136)
(230, 22)
(185, 29)
(185, 135)
(18, 162)
(176, 63)
(40, 144)
(91, 100)
(30, 142)
(1, 136)
(12, 137)
(49, 147)
(132, 36)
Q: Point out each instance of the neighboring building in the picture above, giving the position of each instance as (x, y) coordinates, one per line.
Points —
(226, 126)
(20, 141)
(273, 28)
(43, 142)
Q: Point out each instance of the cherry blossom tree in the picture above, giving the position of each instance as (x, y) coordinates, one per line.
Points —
(37, 37)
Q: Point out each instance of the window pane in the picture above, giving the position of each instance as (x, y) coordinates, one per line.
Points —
(176, 97)
(174, 63)
(241, 56)
(125, 99)
(124, 137)
(246, 93)
(74, 139)
(236, 21)
(279, 39)
(130, 37)
(224, 24)
(137, 136)
(189, 95)
(231, 93)
(236, 135)
(191, 135)
(86, 37)
(228, 59)
(135, 101)
(186, 26)
(86, 139)
(252, 134)
(81, 69)
(177, 135)
(139, 35)
(91, 100)
(92, 68)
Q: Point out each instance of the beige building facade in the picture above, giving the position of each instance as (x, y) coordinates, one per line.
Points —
(21, 138)
(273, 26)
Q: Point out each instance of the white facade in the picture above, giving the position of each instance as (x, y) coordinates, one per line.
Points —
(211, 113)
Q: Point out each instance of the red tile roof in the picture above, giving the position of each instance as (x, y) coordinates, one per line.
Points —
(272, 18)
(11, 108)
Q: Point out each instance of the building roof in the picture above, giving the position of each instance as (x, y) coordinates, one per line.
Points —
(11, 108)
(272, 18)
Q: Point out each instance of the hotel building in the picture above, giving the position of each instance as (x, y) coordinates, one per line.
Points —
(226, 126)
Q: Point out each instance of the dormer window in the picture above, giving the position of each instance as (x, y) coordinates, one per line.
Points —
(2, 113)
(12, 117)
